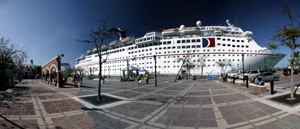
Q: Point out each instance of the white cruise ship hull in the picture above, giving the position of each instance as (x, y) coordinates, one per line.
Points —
(205, 43)
(168, 64)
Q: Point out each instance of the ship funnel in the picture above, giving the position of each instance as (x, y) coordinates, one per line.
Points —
(198, 23)
(181, 27)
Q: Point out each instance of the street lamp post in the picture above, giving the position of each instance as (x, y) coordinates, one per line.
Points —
(249, 67)
(90, 71)
(109, 71)
(187, 69)
(59, 76)
(243, 67)
(155, 70)
(264, 63)
(127, 68)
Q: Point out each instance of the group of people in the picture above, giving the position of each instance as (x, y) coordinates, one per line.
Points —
(140, 78)
(77, 78)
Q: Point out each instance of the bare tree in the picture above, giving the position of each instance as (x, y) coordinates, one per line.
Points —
(10, 58)
(98, 37)
(189, 65)
(201, 60)
(184, 61)
(223, 64)
(18, 68)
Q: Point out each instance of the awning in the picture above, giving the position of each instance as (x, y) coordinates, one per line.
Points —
(143, 70)
(130, 67)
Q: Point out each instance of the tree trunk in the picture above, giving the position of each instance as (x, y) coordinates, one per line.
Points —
(202, 71)
(292, 97)
(99, 98)
(2, 81)
(221, 70)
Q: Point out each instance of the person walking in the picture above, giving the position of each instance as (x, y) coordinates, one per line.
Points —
(65, 79)
(55, 81)
(81, 77)
(147, 78)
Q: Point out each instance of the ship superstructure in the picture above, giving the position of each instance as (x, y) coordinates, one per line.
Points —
(202, 46)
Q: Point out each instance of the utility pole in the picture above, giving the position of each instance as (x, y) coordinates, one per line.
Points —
(243, 67)
(264, 63)
(127, 68)
(99, 51)
(109, 71)
(155, 70)
(249, 67)
(187, 71)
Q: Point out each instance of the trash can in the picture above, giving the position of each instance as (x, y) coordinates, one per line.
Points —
(179, 77)
(194, 77)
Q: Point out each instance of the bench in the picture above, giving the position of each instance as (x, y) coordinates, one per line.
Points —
(230, 80)
(258, 88)
(239, 83)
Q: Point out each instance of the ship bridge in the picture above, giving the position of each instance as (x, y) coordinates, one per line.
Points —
(151, 37)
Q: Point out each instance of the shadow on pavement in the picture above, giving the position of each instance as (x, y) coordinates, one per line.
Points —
(11, 122)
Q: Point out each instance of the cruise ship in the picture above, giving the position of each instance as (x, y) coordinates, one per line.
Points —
(213, 49)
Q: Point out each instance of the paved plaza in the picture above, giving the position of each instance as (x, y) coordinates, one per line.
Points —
(181, 104)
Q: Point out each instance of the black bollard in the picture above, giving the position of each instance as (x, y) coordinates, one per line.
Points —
(295, 91)
(233, 80)
(246, 78)
(272, 88)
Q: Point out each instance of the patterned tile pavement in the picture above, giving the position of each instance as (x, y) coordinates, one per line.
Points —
(183, 104)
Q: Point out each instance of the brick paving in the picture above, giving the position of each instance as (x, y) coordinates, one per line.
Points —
(184, 104)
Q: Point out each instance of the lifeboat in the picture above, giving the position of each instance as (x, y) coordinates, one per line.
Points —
(248, 34)
(114, 43)
(218, 32)
(170, 32)
(126, 40)
(105, 47)
(190, 30)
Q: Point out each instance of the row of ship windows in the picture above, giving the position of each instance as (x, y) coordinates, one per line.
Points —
(160, 48)
(214, 50)
(189, 41)
(183, 47)
(174, 52)
(219, 44)
(174, 66)
(149, 44)
(168, 42)
(180, 41)
(115, 51)
(233, 40)
(159, 57)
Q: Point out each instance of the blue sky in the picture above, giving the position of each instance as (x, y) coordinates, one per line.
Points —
(47, 28)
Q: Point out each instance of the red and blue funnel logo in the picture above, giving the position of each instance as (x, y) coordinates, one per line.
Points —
(208, 42)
